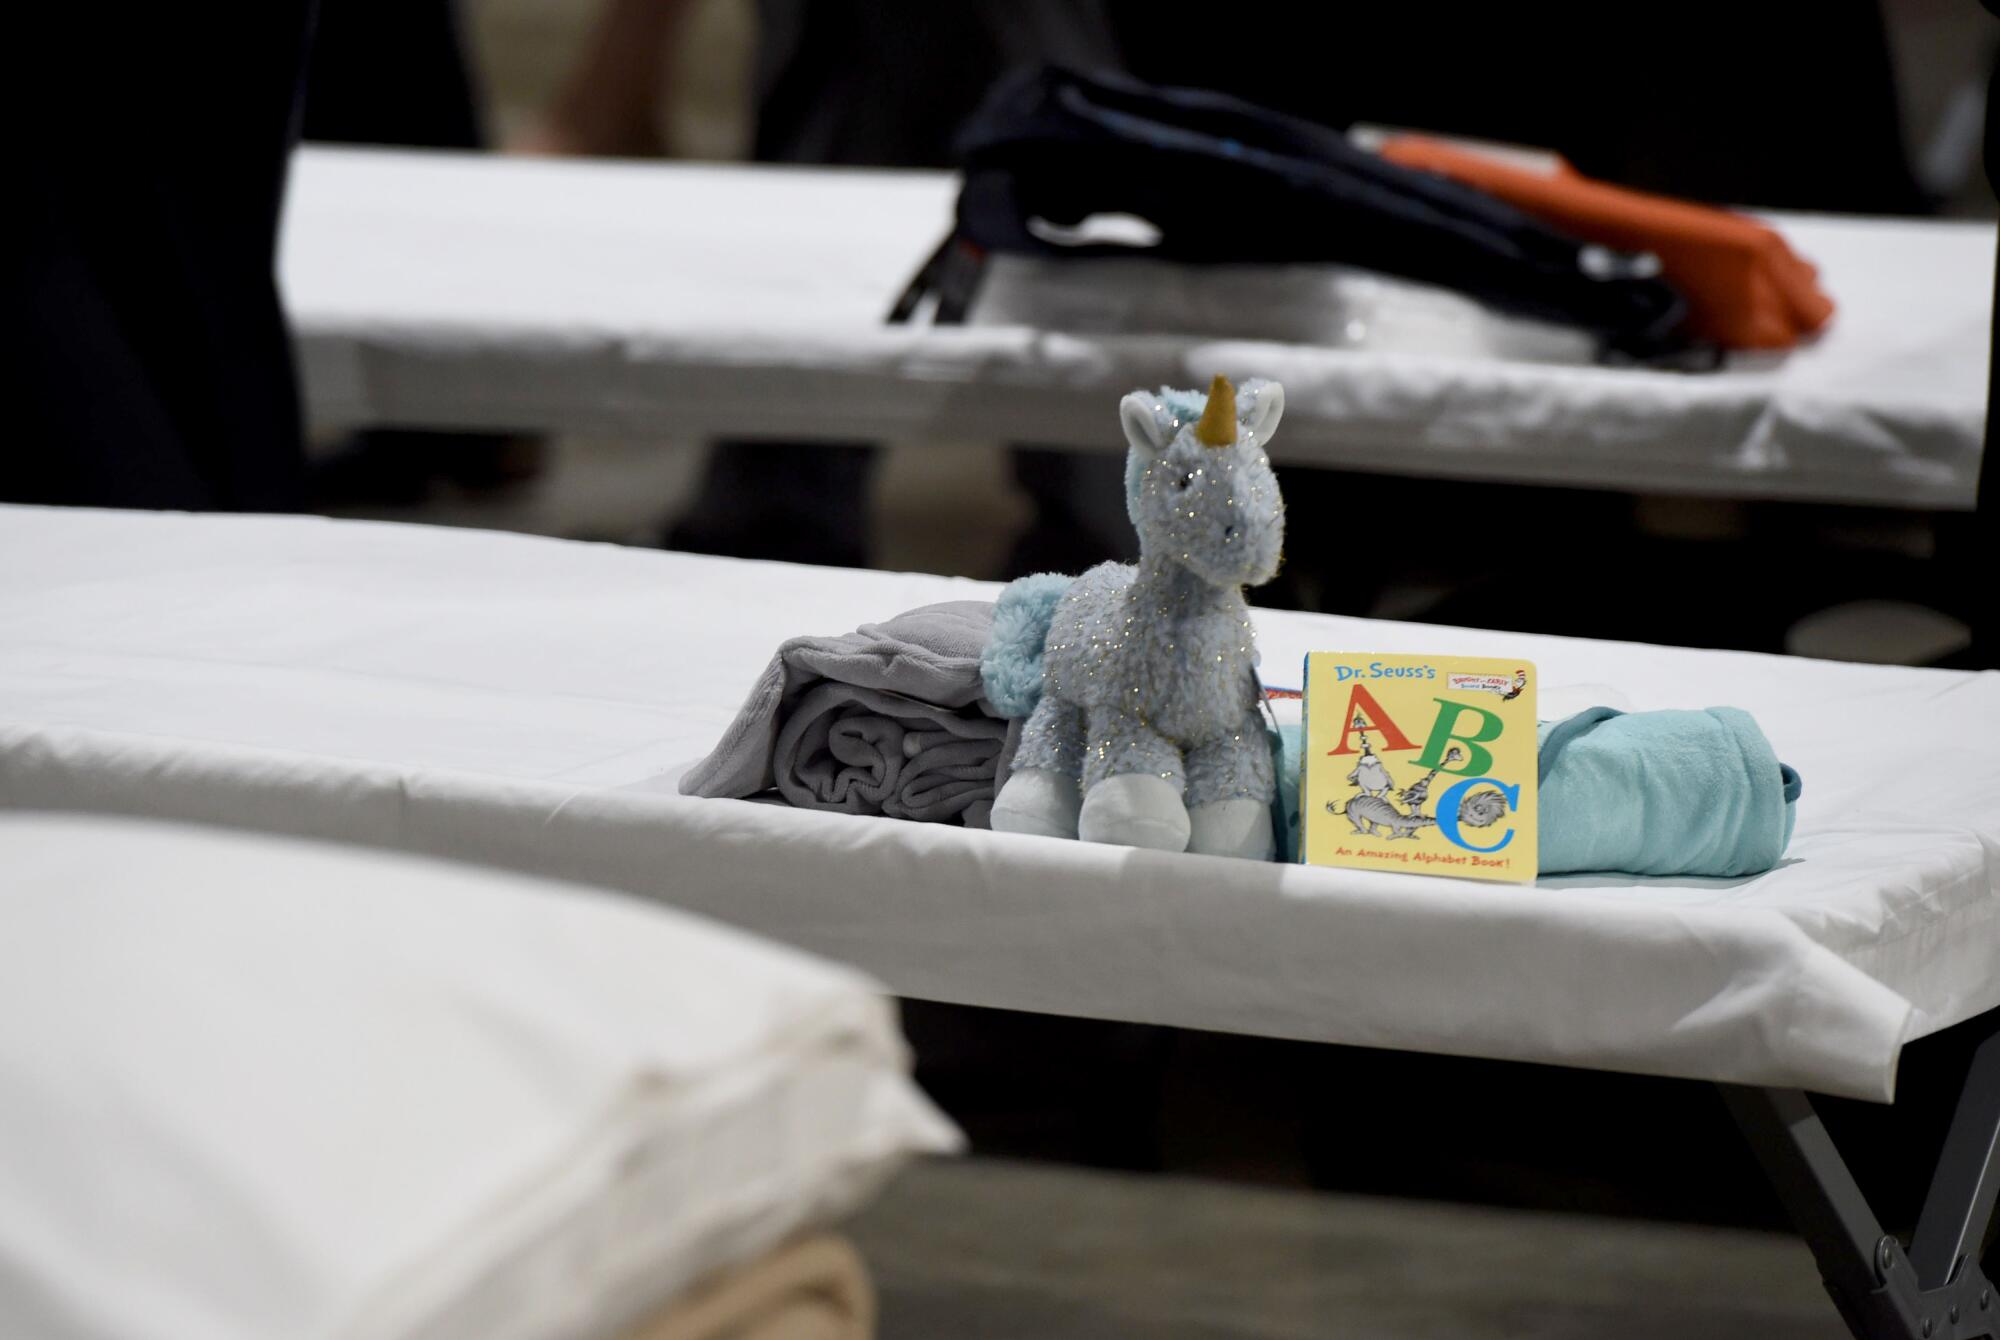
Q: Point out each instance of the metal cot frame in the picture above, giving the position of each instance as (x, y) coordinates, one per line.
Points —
(1933, 1289)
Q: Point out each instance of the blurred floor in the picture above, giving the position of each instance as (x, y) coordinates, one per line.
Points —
(980, 1248)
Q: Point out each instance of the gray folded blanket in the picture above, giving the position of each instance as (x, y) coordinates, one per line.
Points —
(889, 719)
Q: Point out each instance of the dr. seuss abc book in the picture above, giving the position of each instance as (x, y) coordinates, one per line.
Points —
(1420, 763)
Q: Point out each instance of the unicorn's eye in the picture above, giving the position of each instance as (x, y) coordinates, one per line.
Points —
(1187, 479)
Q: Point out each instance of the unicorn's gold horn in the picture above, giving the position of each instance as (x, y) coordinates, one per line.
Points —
(1218, 422)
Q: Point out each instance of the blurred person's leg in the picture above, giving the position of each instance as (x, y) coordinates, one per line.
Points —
(391, 72)
(609, 106)
(151, 364)
(797, 502)
(1079, 515)
(887, 83)
(394, 73)
(877, 83)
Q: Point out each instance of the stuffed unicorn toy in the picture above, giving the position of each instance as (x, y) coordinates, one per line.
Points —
(1145, 728)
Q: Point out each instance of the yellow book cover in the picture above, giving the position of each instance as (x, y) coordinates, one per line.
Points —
(1420, 763)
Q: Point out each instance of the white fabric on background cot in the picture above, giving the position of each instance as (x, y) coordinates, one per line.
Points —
(252, 1087)
(456, 290)
(529, 702)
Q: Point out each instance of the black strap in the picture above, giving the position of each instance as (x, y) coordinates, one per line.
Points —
(1227, 181)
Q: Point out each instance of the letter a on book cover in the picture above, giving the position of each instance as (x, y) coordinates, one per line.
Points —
(1423, 764)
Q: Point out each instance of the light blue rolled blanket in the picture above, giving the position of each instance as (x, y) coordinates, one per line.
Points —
(1663, 793)
(1641, 793)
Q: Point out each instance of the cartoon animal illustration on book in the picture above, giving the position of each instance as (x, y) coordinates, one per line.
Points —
(1418, 792)
(1369, 774)
(1146, 730)
(1369, 813)
(1519, 685)
(1482, 809)
(1372, 813)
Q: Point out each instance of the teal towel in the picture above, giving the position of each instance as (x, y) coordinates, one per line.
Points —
(1644, 793)
(1663, 793)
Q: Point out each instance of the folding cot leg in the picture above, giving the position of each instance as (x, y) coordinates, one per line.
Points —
(1936, 1290)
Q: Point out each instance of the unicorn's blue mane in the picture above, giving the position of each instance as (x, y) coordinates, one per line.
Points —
(1184, 405)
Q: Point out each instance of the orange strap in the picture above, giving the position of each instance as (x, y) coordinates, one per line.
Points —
(1745, 288)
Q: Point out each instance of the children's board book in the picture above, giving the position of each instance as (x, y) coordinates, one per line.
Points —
(1420, 763)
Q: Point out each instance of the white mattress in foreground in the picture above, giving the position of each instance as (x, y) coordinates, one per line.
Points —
(527, 702)
(252, 1088)
(464, 290)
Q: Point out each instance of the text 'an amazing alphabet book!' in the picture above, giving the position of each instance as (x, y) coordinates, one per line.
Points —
(1420, 763)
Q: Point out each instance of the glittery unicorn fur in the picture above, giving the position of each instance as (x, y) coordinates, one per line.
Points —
(1147, 733)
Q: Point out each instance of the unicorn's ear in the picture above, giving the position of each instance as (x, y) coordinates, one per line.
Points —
(1260, 405)
(1139, 412)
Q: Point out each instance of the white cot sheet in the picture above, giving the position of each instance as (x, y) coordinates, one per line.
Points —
(261, 1088)
(455, 290)
(527, 703)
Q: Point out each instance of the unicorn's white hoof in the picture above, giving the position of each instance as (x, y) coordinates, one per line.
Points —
(1037, 801)
(1134, 809)
(1236, 827)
